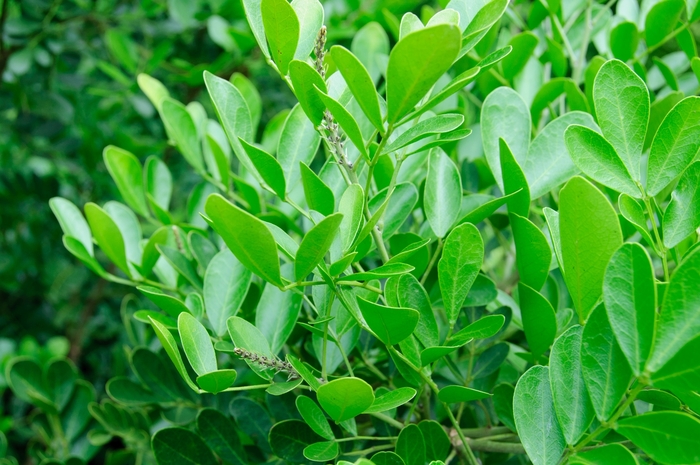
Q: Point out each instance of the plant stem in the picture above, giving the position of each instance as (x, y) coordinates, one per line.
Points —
(370, 450)
(368, 438)
(387, 419)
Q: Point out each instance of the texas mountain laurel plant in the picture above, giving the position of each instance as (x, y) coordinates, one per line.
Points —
(477, 246)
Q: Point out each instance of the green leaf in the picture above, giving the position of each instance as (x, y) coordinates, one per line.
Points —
(667, 73)
(268, 168)
(319, 196)
(314, 417)
(345, 398)
(305, 372)
(369, 44)
(153, 88)
(289, 438)
(276, 315)
(360, 84)
(305, 80)
(310, 14)
(181, 264)
(633, 212)
(451, 88)
(390, 324)
(381, 272)
(514, 181)
(251, 96)
(661, 21)
(24, 376)
(298, 142)
(315, 245)
(481, 23)
(159, 181)
(128, 392)
(169, 304)
(535, 418)
(553, 89)
(624, 39)
(594, 155)
(219, 433)
(667, 437)
(675, 144)
(410, 445)
(127, 173)
(462, 257)
(484, 208)
(351, 206)
(610, 453)
(233, 113)
(682, 371)
(182, 128)
(443, 193)
(346, 121)
(247, 237)
(253, 420)
(416, 63)
(401, 203)
(548, 163)
(246, 336)
(178, 446)
(170, 346)
(605, 369)
(679, 320)
(590, 234)
(504, 115)
(409, 23)
(281, 30)
(482, 328)
(382, 458)
(682, 215)
(411, 294)
(322, 451)
(539, 320)
(197, 344)
(226, 284)
(391, 400)
(72, 222)
(524, 45)
(439, 124)
(629, 295)
(533, 255)
(437, 443)
(217, 381)
(571, 401)
(107, 236)
(503, 404)
(457, 394)
(622, 107)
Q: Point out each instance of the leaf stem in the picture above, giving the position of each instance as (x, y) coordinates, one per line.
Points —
(387, 419)
(367, 438)
(660, 245)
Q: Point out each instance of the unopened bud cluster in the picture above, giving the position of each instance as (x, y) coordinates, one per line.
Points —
(320, 52)
(266, 362)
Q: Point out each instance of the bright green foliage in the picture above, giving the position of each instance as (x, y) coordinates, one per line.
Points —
(463, 232)
(590, 234)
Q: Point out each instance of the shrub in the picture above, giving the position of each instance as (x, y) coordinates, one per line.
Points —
(365, 279)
